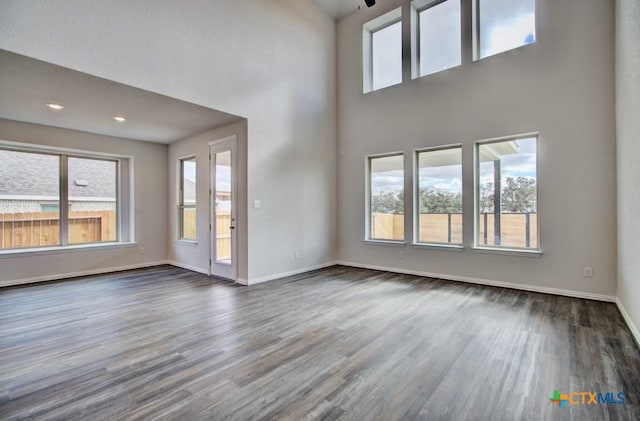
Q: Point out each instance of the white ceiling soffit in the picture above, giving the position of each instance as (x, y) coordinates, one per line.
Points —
(338, 9)
(90, 103)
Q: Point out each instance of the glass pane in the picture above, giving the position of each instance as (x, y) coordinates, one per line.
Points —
(189, 223)
(386, 56)
(92, 200)
(508, 194)
(506, 24)
(29, 200)
(189, 181)
(440, 196)
(440, 37)
(387, 198)
(188, 217)
(223, 209)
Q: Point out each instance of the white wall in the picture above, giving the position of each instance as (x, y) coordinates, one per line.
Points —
(628, 132)
(562, 86)
(272, 62)
(150, 200)
(196, 256)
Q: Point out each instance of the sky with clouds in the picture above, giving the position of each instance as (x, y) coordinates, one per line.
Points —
(449, 177)
(521, 164)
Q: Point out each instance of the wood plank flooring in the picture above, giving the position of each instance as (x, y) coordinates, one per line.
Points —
(338, 343)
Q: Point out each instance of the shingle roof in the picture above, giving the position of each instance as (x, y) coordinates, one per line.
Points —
(32, 174)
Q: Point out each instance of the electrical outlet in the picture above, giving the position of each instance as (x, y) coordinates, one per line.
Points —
(588, 272)
(297, 255)
(141, 250)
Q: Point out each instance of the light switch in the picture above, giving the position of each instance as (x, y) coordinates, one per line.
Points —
(257, 204)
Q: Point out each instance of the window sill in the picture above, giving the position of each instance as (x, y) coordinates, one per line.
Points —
(386, 243)
(187, 242)
(381, 89)
(439, 246)
(507, 251)
(43, 251)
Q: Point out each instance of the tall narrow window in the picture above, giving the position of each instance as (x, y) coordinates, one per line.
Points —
(386, 197)
(382, 51)
(439, 196)
(92, 190)
(437, 31)
(504, 25)
(507, 193)
(187, 206)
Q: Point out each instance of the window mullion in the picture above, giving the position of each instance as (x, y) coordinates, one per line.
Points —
(371, 60)
(64, 200)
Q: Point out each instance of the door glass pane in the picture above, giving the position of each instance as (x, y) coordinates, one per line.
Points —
(29, 200)
(92, 200)
(223, 211)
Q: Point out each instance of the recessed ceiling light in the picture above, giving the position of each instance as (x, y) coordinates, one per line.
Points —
(119, 119)
(55, 106)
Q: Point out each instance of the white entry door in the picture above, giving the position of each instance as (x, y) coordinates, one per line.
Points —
(222, 155)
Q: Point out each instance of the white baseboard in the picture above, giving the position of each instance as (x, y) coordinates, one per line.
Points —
(488, 282)
(188, 267)
(58, 276)
(285, 274)
(632, 327)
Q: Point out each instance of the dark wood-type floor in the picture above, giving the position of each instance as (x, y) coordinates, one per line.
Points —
(338, 343)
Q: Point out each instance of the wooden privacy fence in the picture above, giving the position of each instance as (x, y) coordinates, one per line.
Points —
(189, 223)
(223, 232)
(223, 236)
(35, 229)
(518, 230)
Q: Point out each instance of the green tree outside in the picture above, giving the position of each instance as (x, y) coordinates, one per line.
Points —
(518, 195)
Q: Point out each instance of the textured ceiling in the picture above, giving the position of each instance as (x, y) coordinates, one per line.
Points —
(26, 85)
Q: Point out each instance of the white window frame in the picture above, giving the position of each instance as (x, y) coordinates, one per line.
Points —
(416, 197)
(367, 236)
(368, 29)
(125, 226)
(180, 196)
(417, 7)
(482, 248)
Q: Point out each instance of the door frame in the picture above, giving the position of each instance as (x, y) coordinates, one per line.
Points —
(232, 142)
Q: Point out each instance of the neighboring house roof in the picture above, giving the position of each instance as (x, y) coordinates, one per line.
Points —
(189, 191)
(35, 175)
